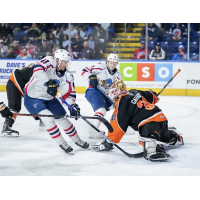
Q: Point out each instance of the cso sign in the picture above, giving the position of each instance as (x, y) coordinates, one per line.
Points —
(146, 71)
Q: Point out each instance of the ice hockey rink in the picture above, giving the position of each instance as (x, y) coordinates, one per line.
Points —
(35, 153)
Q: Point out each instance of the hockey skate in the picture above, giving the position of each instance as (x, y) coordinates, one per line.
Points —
(41, 126)
(66, 148)
(82, 144)
(7, 131)
(103, 146)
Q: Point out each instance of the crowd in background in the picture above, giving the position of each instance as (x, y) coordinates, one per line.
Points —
(89, 40)
(169, 42)
(30, 40)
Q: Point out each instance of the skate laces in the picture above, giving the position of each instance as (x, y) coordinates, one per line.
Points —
(80, 142)
(65, 145)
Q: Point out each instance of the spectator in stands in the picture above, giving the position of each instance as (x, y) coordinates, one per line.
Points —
(44, 48)
(140, 52)
(105, 27)
(11, 54)
(6, 30)
(51, 39)
(158, 53)
(57, 32)
(96, 46)
(181, 55)
(177, 33)
(23, 40)
(99, 33)
(152, 33)
(86, 52)
(3, 49)
(71, 32)
(85, 31)
(36, 42)
(100, 37)
(25, 26)
(165, 27)
(91, 42)
(44, 30)
(24, 54)
(64, 41)
(15, 27)
(9, 40)
(77, 43)
(16, 46)
(30, 48)
(34, 31)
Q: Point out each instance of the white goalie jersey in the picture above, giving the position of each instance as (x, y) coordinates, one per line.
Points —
(104, 75)
(45, 70)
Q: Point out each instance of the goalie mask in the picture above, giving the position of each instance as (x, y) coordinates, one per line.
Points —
(117, 88)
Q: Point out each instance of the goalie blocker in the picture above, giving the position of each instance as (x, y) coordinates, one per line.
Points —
(137, 109)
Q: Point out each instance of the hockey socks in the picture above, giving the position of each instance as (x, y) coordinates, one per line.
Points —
(54, 132)
(72, 133)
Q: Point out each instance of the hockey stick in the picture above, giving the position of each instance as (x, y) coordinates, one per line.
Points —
(169, 81)
(137, 155)
(105, 94)
(103, 120)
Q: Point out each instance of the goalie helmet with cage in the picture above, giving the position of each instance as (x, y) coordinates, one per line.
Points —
(61, 55)
(118, 87)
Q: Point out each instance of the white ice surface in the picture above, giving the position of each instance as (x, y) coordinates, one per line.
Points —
(35, 153)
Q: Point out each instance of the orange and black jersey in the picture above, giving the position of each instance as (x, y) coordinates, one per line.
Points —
(134, 109)
(22, 76)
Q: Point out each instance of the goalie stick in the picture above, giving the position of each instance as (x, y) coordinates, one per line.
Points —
(137, 155)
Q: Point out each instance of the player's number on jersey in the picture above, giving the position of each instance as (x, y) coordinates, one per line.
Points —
(44, 61)
(145, 103)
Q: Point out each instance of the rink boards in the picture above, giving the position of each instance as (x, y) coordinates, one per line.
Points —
(139, 75)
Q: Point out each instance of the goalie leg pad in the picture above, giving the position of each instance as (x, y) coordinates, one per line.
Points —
(152, 150)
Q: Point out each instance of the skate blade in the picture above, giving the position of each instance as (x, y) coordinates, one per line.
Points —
(70, 153)
(10, 135)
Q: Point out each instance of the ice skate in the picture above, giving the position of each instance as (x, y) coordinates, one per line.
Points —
(66, 148)
(82, 144)
(7, 131)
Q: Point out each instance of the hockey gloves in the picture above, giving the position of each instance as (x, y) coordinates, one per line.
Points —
(93, 81)
(52, 87)
(4, 110)
(74, 111)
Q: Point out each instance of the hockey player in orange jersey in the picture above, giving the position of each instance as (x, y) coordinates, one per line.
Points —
(137, 109)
